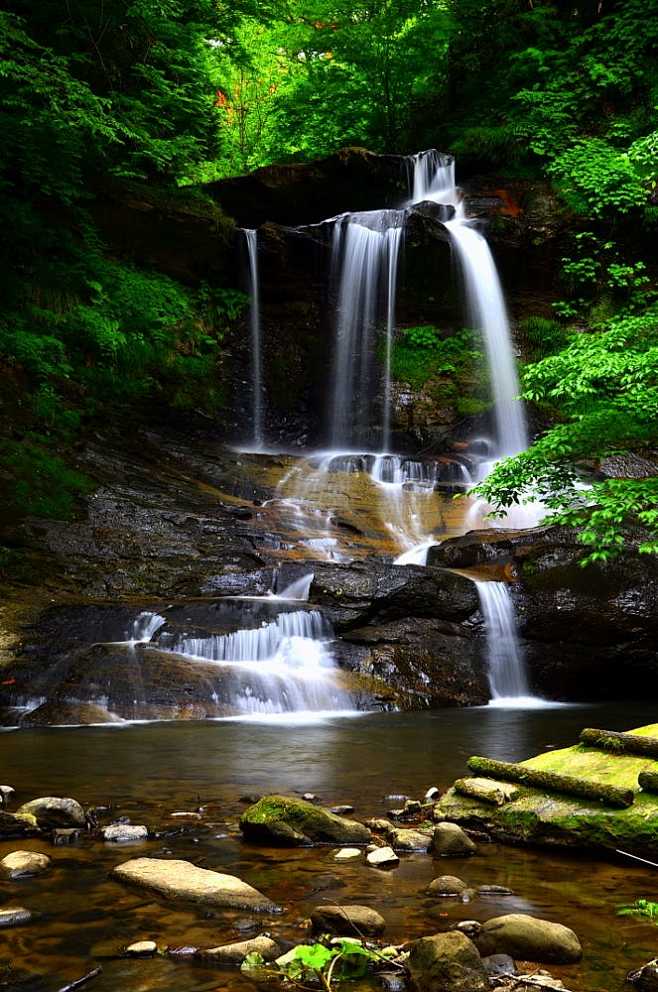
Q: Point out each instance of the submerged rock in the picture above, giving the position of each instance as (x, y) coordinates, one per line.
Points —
(14, 916)
(447, 885)
(19, 864)
(530, 939)
(645, 979)
(236, 953)
(347, 921)
(447, 962)
(450, 841)
(181, 880)
(290, 821)
(53, 811)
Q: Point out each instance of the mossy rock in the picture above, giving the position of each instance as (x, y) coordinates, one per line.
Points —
(537, 817)
(285, 820)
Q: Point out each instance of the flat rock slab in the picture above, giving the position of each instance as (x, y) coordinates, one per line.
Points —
(348, 921)
(20, 864)
(536, 817)
(383, 857)
(183, 881)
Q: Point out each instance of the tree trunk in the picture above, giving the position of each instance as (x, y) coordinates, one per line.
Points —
(508, 771)
(610, 740)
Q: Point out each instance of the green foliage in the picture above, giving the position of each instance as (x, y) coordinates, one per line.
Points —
(43, 484)
(604, 387)
(344, 959)
(596, 178)
(420, 353)
(541, 336)
(642, 908)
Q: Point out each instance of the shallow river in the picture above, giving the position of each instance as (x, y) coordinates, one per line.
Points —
(147, 772)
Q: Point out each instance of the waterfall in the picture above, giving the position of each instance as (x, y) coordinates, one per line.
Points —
(433, 178)
(251, 239)
(508, 679)
(300, 589)
(282, 667)
(143, 627)
(365, 250)
(487, 312)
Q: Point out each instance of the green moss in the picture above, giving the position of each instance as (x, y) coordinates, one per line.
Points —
(292, 820)
(538, 817)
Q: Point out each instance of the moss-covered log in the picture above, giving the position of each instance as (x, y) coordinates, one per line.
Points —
(508, 771)
(611, 740)
(648, 781)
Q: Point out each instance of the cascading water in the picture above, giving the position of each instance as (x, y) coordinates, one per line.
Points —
(251, 239)
(365, 251)
(434, 179)
(282, 667)
(144, 627)
(508, 679)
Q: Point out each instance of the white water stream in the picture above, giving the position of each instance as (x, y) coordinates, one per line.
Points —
(251, 240)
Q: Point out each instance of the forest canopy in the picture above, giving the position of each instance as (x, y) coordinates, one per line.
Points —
(178, 92)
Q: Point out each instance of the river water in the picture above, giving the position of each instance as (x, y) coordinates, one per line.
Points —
(147, 772)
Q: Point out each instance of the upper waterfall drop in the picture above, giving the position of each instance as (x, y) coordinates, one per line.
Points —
(432, 177)
(251, 240)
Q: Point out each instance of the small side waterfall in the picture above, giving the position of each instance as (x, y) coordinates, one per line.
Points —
(281, 667)
(144, 627)
(365, 250)
(251, 239)
(508, 679)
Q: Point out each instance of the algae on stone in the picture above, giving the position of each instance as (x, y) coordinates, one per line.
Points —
(290, 821)
(539, 818)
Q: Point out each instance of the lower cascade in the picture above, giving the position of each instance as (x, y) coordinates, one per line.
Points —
(281, 667)
(508, 679)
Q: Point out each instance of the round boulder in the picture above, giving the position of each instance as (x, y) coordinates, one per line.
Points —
(446, 885)
(447, 962)
(53, 811)
(450, 841)
(530, 939)
(20, 864)
(347, 921)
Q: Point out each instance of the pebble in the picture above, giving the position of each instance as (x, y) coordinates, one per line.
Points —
(494, 890)
(470, 927)
(6, 791)
(187, 814)
(347, 853)
(14, 916)
(344, 810)
(383, 857)
(310, 797)
(432, 793)
(142, 949)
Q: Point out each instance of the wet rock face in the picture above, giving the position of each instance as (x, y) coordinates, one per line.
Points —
(530, 939)
(586, 631)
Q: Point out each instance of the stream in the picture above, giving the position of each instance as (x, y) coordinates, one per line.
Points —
(147, 772)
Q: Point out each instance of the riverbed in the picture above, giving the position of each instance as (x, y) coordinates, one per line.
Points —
(149, 771)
